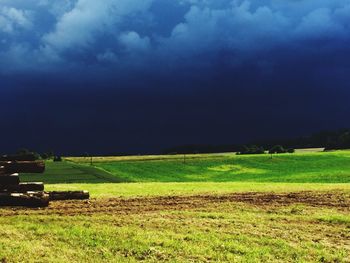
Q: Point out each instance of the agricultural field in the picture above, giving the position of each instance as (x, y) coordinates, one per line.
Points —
(204, 208)
(323, 167)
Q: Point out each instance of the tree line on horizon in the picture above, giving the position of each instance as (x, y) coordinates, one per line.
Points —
(330, 140)
(23, 154)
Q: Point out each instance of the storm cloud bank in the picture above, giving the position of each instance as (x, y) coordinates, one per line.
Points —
(151, 74)
(39, 34)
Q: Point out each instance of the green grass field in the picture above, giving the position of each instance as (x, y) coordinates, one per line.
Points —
(221, 232)
(64, 172)
(294, 168)
(123, 224)
(324, 167)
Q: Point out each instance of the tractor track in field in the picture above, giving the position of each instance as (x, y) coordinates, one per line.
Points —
(124, 206)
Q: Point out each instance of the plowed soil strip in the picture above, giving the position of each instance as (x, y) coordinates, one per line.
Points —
(338, 200)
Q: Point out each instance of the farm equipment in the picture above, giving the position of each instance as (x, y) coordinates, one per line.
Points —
(15, 193)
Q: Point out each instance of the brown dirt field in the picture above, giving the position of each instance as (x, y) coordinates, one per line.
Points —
(338, 200)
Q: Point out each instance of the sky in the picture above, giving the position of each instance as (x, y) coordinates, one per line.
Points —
(139, 76)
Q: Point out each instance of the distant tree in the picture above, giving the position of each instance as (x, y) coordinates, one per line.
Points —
(291, 150)
(260, 150)
(50, 154)
(244, 149)
(277, 149)
(36, 155)
(338, 140)
(47, 155)
(344, 140)
(25, 154)
(256, 149)
(252, 149)
(22, 151)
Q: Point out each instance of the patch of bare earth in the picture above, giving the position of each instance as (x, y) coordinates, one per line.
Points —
(338, 200)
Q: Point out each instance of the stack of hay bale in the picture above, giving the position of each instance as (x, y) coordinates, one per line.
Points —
(15, 193)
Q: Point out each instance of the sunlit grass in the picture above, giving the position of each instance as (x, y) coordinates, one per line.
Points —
(221, 233)
(324, 167)
(161, 189)
(314, 167)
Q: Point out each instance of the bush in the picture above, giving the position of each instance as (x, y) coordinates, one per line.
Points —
(291, 150)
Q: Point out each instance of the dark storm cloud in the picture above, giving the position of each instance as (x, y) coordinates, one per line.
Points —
(150, 74)
(125, 33)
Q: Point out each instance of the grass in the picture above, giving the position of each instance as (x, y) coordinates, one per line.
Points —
(166, 189)
(313, 167)
(214, 232)
(176, 157)
(220, 173)
(66, 172)
(221, 233)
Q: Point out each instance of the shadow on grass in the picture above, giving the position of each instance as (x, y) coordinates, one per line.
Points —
(66, 172)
